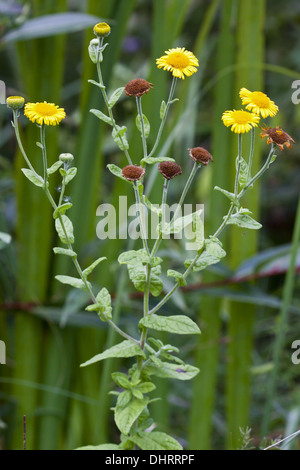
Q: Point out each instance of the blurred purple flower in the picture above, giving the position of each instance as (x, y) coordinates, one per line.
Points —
(131, 44)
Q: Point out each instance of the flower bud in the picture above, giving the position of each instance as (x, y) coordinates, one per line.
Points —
(169, 169)
(15, 102)
(200, 155)
(66, 157)
(102, 30)
(93, 50)
(133, 172)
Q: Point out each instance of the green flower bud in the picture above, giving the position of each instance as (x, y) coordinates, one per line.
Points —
(66, 157)
(93, 46)
(15, 102)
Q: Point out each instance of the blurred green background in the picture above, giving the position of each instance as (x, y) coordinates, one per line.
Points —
(247, 379)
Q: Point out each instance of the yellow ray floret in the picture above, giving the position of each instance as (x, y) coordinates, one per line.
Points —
(258, 103)
(240, 121)
(44, 113)
(179, 61)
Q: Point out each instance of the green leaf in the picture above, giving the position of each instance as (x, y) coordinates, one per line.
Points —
(64, 251)
(101, 116)
(173, 371)
(162, 109)
(124, 349)
(61, 210)
(93, 82)
(178, 277)
(231, 196)
(134, 257)
(100, 447)
(146, 125)
(179, 324)
(146, 387)
(71, 281)
(137, 274)
(243, 176)
(212, 254)
(119, 136)
(123, 397)
(71, 173)
(5, 240)
(153, 160)
(91, 268)
(198, 229)
(54, 167)
(126, 417)
(116, 171)
(122, 381)
(35, 179)
(180, 223)
(155, 441)
(67, 224)
(50, 25)
(104, 304)
(244, 220)
(115, 97)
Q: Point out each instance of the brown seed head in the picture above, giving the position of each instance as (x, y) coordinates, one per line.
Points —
(133, 172)
(200, 155)
(275, 135)
(169, 169)
(137, 87)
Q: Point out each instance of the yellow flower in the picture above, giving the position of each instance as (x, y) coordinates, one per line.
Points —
(178, 61)
(102, 30)
(240, 121)
(258, 102)
(15, 102)
(44, 113)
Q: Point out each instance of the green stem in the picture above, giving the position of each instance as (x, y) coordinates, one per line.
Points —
(282, 324)
(162, 125)
(223, 224)
(141, 217)
(140, 113)
(54, 206)
(105, 97)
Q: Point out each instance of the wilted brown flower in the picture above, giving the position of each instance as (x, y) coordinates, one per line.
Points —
(137, 87)
(169, 169)
(275, 135)
(133, 172)
(200, 155)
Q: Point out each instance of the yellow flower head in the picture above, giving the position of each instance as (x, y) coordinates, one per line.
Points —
(178, 61)
(15, 102)
(240, 121)
(258, 102)
(102, 30)
(44, 113)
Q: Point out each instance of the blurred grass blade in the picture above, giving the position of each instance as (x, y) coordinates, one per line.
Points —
(50, 25)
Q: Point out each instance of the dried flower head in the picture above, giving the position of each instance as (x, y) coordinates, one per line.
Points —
(102, 30)
(169, 169)
(137, 87)
(15, 102)
(200, 155)
(133, 172)
(258, 102)
(179, 61)
(275, 135)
